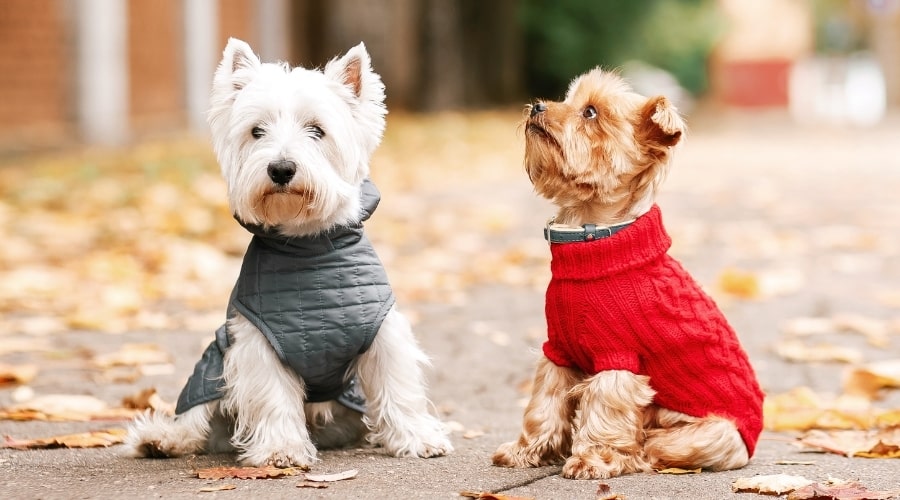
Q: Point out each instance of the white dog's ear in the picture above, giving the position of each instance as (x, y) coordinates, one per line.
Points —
(354, 70)
(238, 66)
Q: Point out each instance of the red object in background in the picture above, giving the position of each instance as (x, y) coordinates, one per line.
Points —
(752, 84)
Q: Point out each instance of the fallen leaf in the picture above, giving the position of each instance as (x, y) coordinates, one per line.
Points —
(267, 472)
(472, 434)
(604, 492)
(677, 471)
(874, 330)
(148, 399)
(311, 484)
(17, 374)
(802, 409)
(133, 355)
(870, 379)
(486, 495)
(66, 407)
(94, 439)
(772, 484)
(882, 443)
(329, 478)
(836, 489)
(742, 284)
(223, 487)
(797, 351)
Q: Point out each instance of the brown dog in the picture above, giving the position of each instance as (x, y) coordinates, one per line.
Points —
(640, 370)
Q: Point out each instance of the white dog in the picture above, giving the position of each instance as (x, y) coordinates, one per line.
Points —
(311, 319)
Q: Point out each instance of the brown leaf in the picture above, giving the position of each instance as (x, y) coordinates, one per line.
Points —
(839, 490)
(17, 374)
(604, 492)
(772, 484)
(486, 495)
(266, 472)
(148, 399)
(133, 355)
(66, 407)
(871, 379)
(94, 439)
(223, 487)
(883, 443)
(311, 484)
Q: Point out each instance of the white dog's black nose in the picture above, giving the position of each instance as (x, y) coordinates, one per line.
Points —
(282, 171)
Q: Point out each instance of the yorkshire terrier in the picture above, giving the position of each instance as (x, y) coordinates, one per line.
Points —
(640, 370)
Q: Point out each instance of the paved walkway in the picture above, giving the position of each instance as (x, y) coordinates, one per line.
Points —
(814, 211)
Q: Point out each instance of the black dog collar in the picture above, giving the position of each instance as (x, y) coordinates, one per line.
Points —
(559, 233)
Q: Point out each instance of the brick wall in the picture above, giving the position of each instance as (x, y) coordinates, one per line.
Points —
(34, 72)
(155, 64)
(236, 19)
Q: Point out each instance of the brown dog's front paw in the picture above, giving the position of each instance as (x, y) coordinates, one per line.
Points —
(513, 454)
(581, 468)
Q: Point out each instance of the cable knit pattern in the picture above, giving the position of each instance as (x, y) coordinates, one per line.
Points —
(622, 303)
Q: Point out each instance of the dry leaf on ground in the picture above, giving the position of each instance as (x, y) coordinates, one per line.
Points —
(266, 472)
(883, 443)
(148, 399)
(133, 355)
(486, 495)
(65, 407)
(772, 484)
(311, 484)
(870, 379)
(836, 489)
(678, 471)
(17, 374)
(797, 351)
(94, 439)
(742, 284)
(211, 489)
(604, 492)
(802, 409)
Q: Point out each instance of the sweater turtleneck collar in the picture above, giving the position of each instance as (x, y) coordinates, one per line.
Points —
(642, 242)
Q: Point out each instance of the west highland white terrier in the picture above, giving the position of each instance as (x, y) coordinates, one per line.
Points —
(640, 370)
(313, 351)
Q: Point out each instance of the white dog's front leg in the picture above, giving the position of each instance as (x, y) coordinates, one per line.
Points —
(266, 401)
(390, 374)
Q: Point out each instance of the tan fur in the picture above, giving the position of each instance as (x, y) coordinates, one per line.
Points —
(604, 167)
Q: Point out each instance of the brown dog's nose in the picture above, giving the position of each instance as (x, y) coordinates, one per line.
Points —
(538, 108)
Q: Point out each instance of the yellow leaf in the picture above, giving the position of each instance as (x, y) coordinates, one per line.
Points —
(17, 374)
(678, 471)
(771, 484)
(266, 472)
(742, 284)
(95, 439)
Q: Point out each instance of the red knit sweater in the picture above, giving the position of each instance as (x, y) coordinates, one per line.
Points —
(621, 303)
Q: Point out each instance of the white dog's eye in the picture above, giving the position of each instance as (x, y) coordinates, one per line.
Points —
(257, 132)
(589, 112)
(317, 131)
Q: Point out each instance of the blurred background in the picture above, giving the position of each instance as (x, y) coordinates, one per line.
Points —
(113, 71)
(113, 216)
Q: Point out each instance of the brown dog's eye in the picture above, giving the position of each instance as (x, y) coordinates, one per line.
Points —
(589, 112)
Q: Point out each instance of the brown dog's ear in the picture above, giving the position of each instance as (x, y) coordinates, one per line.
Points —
(660, 123)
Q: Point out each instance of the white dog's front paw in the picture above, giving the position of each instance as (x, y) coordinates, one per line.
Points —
(157, 435)
(301, 455)
(426, 440)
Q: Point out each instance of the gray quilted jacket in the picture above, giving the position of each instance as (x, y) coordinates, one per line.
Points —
(319, 300)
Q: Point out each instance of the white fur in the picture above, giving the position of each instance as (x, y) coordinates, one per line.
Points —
(263, 413)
